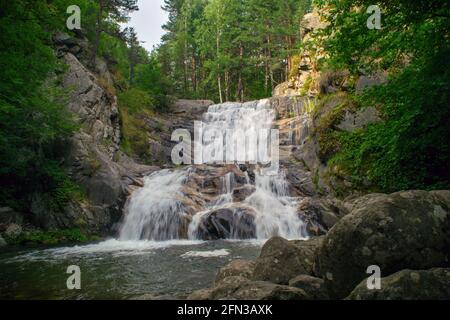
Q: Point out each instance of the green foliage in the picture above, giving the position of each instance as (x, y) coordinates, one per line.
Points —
(51, 237)
(150, 78)
(33, 121)
(230, 49)
(134, 105)
(136, 101)
(410, 149)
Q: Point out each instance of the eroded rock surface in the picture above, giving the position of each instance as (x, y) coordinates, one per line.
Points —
(403, 230)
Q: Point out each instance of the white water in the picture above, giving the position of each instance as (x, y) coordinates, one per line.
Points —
(155, 212)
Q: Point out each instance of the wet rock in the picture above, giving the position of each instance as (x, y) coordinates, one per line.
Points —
(242, 193)
(321, 214)
(430, 284)
(242, 268)
(281, 260)
(409, 229)
(300, 180)
(228, 223)
(313, 287)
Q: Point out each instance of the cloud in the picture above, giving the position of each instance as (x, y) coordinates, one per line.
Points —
(148, 21)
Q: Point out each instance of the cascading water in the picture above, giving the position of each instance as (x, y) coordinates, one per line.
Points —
(155, 212)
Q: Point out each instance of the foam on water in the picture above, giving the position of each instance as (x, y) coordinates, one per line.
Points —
(206, 254)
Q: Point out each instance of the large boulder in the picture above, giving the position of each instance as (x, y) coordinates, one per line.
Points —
(239, 288)
(313, 287)
(228, 223)
(403, 230)
(281, 260)
(408, 285)
(321, 214)
(241, 268)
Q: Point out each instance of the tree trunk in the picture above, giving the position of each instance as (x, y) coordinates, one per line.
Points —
(98, 31)
(227, 85)
(240, 87)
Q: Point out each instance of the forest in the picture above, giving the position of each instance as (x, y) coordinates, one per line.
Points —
(227, 50)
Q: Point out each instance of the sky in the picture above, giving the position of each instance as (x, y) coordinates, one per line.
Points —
(148, 21)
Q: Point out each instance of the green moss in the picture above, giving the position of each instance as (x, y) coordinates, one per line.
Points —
(307, 86)
(135, 105)
(51, 237)
(327, 119)
(65, 192)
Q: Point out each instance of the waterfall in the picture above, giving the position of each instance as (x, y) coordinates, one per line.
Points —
(156, 212)
(276, 210)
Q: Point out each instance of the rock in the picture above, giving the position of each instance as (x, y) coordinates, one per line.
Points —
(281, 260)
(313, 287)
(367, 81)
(430, 284)
(242, 268)
(8, 216)
(13, 230)
(321, 214)
(312, 21)
(228, 223)
(300, 180)
(239, 288)
(61, 38)
(193, 108)
(333, 81)
(409, 229)
(202, 294)
(2, 242)
(353, 121)
(242, 193)
(285, 89)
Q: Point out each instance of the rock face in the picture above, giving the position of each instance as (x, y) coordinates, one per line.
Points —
(281, 260)
(408, 229)
(408, 285)
(93, 159)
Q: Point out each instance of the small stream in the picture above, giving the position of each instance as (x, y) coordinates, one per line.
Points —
(119, 269)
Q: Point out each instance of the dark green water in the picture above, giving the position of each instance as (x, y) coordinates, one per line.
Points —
(119, 270)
